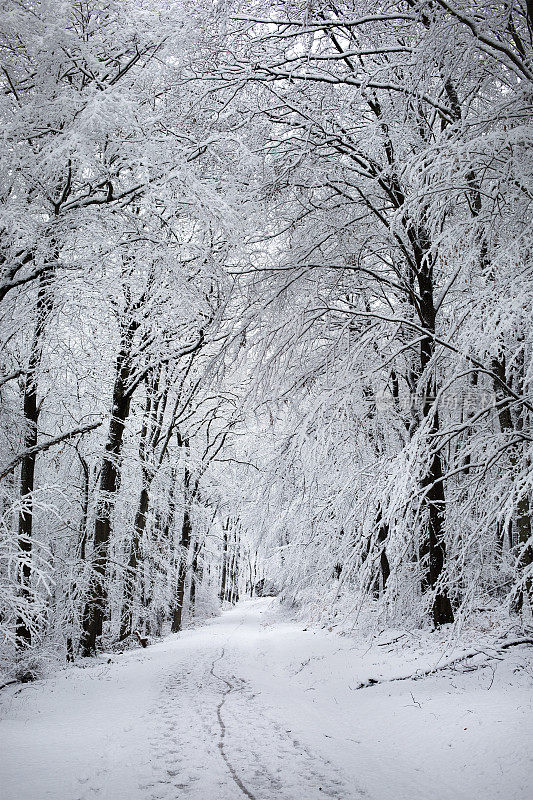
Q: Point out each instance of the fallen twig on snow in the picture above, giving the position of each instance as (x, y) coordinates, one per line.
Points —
(515, 642)
(8, 683)
(446, 665)
(392, 641)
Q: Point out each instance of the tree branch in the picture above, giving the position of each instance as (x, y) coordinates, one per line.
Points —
(40, 448)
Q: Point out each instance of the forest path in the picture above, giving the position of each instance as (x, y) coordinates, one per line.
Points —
(252, 705)
(215, 738)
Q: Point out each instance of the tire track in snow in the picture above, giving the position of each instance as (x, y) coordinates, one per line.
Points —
(212, 737)
(225, 693)
(271, 761)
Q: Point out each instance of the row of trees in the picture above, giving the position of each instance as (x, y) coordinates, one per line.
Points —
(117, 217)
(265, 288)
(399, 196)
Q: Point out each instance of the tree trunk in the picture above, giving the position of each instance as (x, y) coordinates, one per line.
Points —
(84, 508)
(27, 473)
(234, 571)
(522, 512)
(186, 531)
(150, 436)
(196, 573)
(126, 625)
(107, 489)
(432, 482)
(185, 541)
(383, 535)
(223, 580)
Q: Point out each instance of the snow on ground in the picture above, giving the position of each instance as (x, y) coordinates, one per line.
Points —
(252, 705)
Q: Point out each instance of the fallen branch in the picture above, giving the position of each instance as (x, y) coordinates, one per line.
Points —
(515, 643)
(8, 683)
(414, 676)
(392, 641)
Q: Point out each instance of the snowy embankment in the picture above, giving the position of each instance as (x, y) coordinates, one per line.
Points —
(252, 705)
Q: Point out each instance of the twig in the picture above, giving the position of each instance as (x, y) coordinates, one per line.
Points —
(452, 662)
(3, 686)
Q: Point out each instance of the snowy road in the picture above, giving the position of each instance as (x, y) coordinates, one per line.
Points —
(254, 706)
